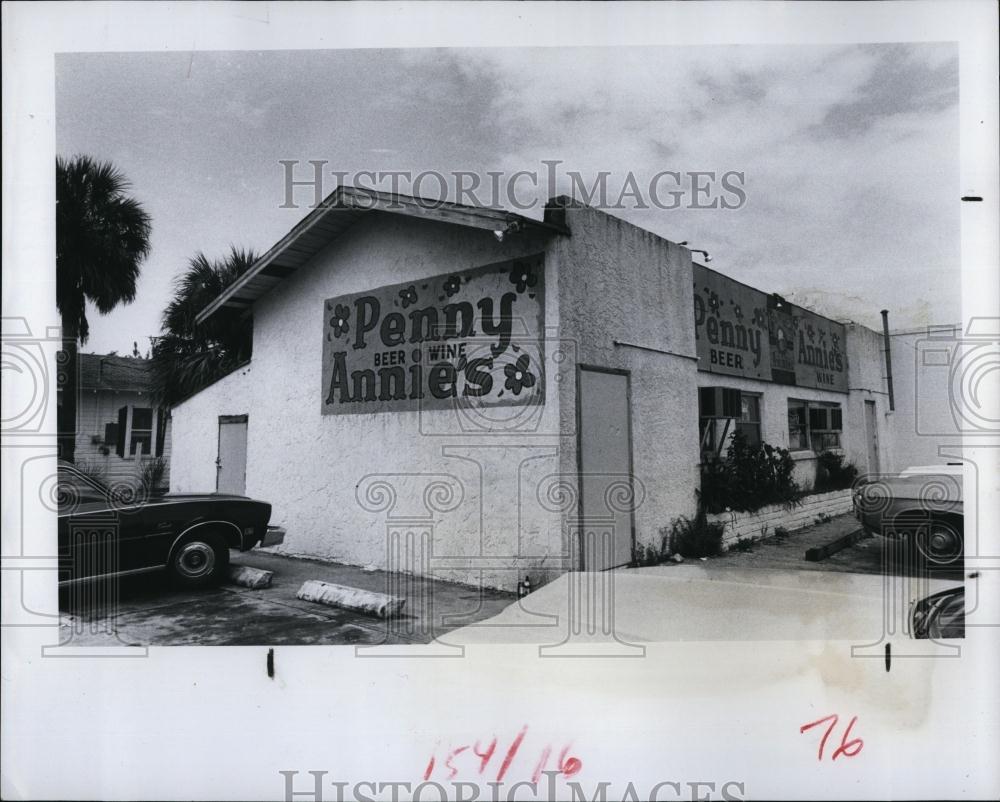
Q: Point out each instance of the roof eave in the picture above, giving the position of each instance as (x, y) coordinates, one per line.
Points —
(346, 198)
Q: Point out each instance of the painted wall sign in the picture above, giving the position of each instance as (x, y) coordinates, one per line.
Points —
(471, 338)
(740, 331)
(820, 351)
(730, 326)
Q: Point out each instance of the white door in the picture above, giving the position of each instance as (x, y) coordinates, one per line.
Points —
(605, 459)
(231, 465)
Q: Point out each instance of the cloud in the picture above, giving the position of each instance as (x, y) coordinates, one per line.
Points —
(850, 152)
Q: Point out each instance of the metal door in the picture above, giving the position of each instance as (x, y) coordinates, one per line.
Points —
(605, 461)
(231, 465)
(871, 432)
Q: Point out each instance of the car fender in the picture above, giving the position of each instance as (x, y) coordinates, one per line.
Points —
(232, 533)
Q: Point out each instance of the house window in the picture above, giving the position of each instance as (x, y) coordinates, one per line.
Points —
(814, 425)
(141, 434)
(749, 422)
(135, 431)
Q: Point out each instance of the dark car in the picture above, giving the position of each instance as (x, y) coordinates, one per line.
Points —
(120, 530)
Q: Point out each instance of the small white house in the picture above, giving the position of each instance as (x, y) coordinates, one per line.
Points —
(119, 427)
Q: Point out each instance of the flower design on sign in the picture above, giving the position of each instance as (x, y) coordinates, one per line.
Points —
(518, 375)
(810, 332)
(758, 317)
(452, 285)
(408, 296)
(339, 320)
(738, 311)
(713, 301)
(522, 277)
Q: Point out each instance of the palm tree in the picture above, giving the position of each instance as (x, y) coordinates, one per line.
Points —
(102, 238)
(187, 356)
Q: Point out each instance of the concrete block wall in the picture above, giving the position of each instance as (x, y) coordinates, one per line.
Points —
(763, 522)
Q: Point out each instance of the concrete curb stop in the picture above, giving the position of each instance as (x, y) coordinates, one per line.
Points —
(814, 555)
(362, 601)
(253, 578)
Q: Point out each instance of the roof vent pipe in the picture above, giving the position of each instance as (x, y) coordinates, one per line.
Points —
(888, 358)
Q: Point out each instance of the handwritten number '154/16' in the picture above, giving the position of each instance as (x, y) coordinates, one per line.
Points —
(847, 747)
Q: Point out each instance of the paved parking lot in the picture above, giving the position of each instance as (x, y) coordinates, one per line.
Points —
(873, 555)
(147, 610)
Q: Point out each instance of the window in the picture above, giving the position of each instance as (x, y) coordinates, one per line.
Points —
(719, 411)
(798, 430)
(749, 421)
(135, 431)
(141, 436)
(814, 425)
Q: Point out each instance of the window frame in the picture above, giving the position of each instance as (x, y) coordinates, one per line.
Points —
(759, 422)
(810, 432)
(153, 431)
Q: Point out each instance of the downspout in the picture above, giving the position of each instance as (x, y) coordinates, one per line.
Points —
(888, 358)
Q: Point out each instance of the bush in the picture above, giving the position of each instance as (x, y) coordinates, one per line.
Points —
(750, 477)
(832, 473)
(643, 556)
(696, 537)
(93, 471)
(152, 474)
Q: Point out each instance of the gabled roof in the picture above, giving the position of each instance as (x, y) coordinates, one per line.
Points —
(115, 373)
(339, 211)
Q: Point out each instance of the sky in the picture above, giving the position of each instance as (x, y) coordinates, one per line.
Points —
(850, 153)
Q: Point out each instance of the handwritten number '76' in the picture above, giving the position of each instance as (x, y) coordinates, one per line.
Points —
(847, 747)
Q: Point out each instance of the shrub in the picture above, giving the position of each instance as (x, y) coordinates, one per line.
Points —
(743, 544)
(696, 537)
(750, 477)
(93, 471)
(833, 473)
(152, 474)
(643, 556)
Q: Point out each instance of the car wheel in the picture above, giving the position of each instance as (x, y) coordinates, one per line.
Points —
(940, 542)
(200, 560)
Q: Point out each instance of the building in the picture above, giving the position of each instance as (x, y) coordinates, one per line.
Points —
(475, 395)
(119, 426)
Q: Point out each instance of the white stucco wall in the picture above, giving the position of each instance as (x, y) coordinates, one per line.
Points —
(195, 428)
(626, 284)
(330, 478)
(924, 419)
(866, 361)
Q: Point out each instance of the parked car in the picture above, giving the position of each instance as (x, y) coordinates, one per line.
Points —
(940, 615)
(922, 505)
(118, 531)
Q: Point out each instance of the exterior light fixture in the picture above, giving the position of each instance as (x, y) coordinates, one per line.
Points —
(511, 228)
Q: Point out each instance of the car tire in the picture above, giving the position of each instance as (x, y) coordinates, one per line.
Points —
(939, 542)
(200, 560)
